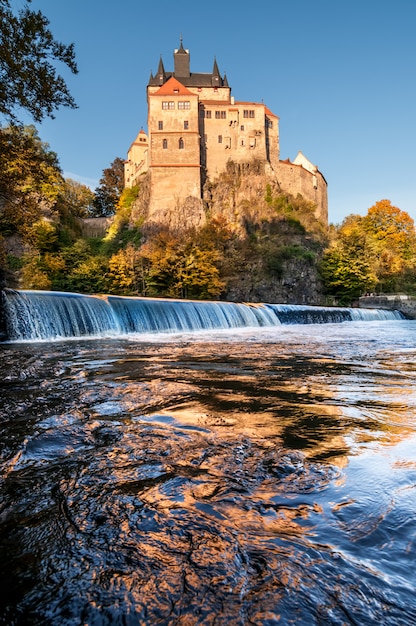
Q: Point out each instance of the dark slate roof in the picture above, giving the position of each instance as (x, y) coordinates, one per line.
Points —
(195, 79)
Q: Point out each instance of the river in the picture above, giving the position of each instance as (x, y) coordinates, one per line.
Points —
(242, 476)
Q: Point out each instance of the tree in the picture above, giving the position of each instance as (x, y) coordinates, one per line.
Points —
(391, 229)
(30, 178)
(178, 268)
(374, 252)
(107, 195)
(28, 77)
(77, 198)
(347, 267)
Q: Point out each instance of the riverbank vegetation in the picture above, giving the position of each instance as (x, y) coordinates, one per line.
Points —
(267, 247)
(276, 249)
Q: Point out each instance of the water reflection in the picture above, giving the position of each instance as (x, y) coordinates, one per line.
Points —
(218, 482)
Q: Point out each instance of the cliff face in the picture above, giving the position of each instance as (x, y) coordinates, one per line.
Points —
(277, 239)
(298, 284)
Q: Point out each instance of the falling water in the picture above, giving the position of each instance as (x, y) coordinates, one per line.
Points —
(40, 315)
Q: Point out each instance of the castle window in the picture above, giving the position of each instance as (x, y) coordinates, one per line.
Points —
(160, 125)
(242, 128)
(181, 144)
(165, 144)
(242, 142)
(219, 138)
(168, 105)
(220, 115)
(184, 104)
(208, 114)
(248, 113)
(185, 125)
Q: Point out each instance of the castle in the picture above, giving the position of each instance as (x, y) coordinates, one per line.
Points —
(195, 127)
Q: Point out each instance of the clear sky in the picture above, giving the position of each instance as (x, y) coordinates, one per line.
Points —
(341, 75)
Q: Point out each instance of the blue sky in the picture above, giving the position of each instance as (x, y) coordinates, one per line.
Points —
(340, 75)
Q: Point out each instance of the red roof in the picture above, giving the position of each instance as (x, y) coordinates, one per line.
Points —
(173, 87)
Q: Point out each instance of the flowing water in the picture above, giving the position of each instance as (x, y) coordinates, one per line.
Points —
(259, 475)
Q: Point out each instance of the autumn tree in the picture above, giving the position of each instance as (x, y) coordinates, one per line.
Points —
(392, 232)
(376, 252)
(179, 268)
(28, 76)
(107, 194)
(77, 198)
(347, 267)
(30, 178)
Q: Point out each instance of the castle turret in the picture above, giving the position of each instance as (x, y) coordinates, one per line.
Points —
(216, 77)
(161, 74)
(182, 61)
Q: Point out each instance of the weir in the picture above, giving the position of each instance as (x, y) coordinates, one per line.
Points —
(48, 315)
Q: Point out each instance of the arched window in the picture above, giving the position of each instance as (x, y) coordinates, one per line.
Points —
(181, 144)
(165, 144)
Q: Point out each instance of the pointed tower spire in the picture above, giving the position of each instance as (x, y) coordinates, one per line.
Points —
(216, 78)
(161, 75)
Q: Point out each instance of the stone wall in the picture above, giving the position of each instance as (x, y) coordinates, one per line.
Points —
(95, 227)
(295, 179)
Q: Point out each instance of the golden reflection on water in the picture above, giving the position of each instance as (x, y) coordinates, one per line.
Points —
(213, 483)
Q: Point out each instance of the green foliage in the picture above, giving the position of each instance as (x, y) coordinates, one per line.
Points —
(110, 190)
(33, 276)
(28, 77)
(13, 262)
(122, 272)
(42, 235)
(372, 253)
(179, 268)
(122, 217)
(77, 199)
(269, 196)
(90, 276)
(345, 275)
(30, 179)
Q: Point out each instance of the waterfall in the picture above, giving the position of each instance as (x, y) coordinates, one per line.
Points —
(37, 315)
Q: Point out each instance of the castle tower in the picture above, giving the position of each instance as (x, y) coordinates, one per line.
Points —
(174, 150)
(182, 61)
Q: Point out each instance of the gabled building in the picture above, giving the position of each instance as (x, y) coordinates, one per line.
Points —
(195, 126)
